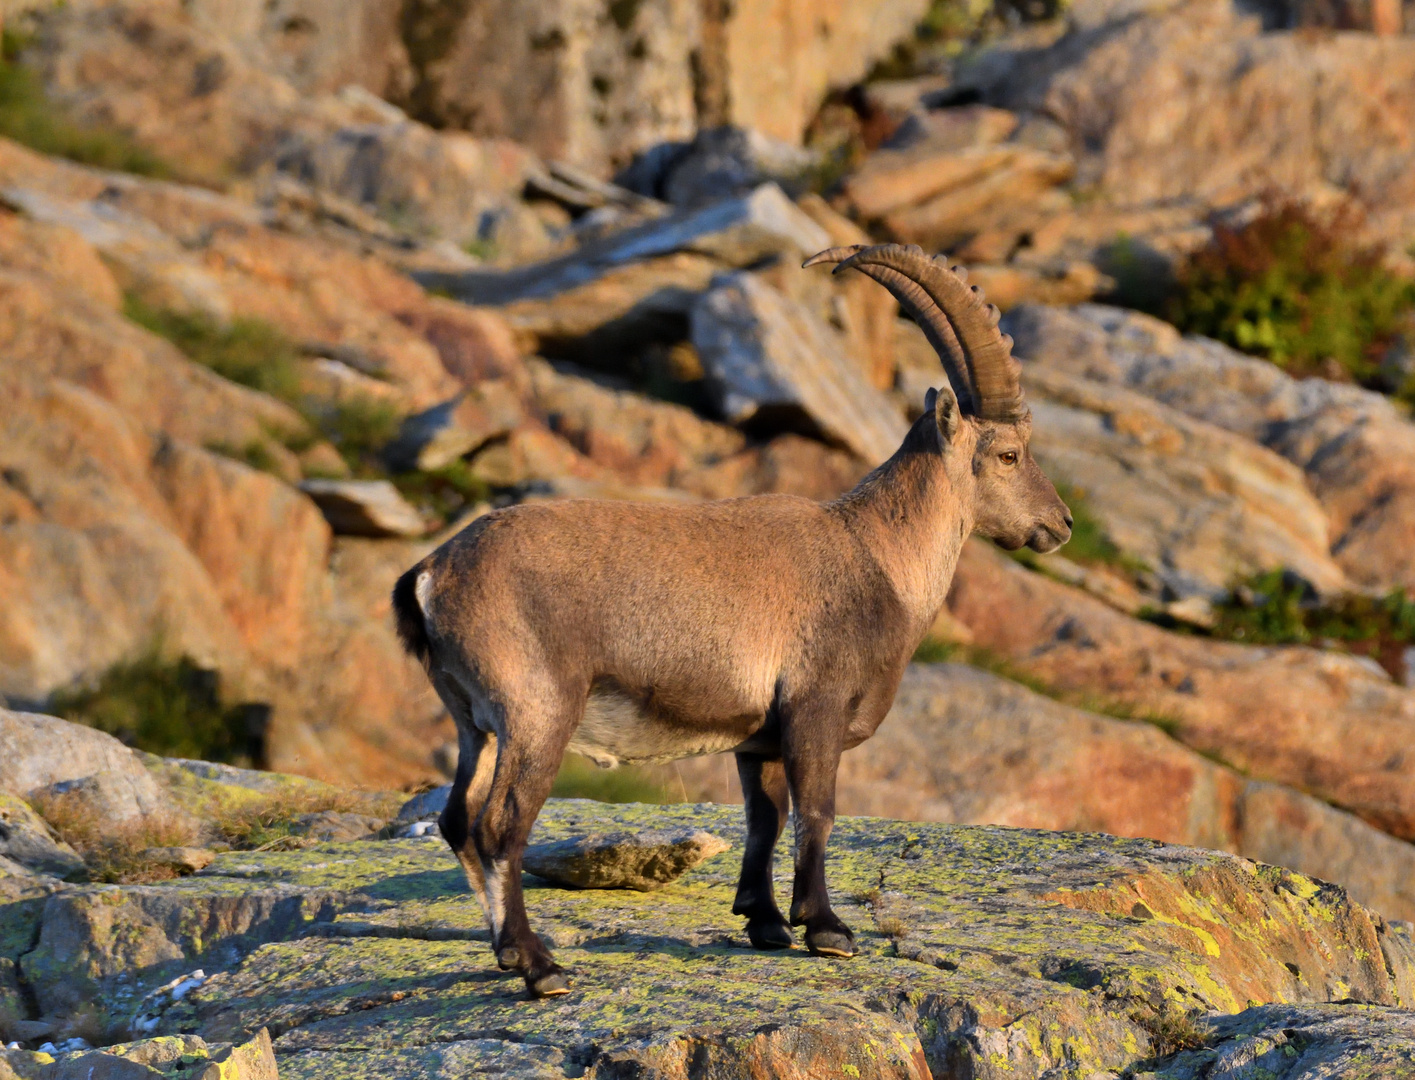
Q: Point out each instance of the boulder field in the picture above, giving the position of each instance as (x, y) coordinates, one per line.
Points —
(983, 952)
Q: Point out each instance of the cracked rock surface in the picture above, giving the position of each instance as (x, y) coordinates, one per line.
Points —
(983, 952)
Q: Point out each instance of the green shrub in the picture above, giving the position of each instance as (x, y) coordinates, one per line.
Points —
(443, 493)
(359, 427)
(254, 353)
(1278, 608)
(1295, 286)
(163, 706)
(256, 453)
(29, 117)
(1089, 542)
(579, 778)
(933, 651)
(246, 351)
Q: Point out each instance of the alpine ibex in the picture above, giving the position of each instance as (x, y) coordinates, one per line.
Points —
(772, 626)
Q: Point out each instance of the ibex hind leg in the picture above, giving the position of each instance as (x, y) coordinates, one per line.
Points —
(528, 757)
(476, 764)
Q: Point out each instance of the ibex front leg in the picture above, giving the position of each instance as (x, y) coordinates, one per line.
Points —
(811, 753)
(767, 801)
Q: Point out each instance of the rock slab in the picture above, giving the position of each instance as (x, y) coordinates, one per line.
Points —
(39, 752)
(364, 508)
(988, 952)
(620, 860)
(767, 357)
(25, 839)
(188, 1056)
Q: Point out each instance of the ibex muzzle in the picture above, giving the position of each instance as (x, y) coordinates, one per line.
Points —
(774, 627)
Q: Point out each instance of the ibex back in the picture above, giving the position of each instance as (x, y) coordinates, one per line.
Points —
(772, 626)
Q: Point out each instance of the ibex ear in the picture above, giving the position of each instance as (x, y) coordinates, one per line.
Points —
(944, 406)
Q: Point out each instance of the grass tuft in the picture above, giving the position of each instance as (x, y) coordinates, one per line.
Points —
(29, 117)
(256, 354)
(359, 428)
(444, 493)
(256, 453)
(1171, 1031)
(246, 351)
(112, 851)
(269, 824)
(164, 706)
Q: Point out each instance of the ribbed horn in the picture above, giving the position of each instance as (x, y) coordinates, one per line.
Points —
(959, 323)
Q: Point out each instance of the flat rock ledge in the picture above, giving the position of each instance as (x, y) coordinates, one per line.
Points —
(983, 952)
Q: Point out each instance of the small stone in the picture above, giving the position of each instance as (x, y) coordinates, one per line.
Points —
(29, 1030)
(364, 508)
(424, 806)
(622, 860)
(184, 860)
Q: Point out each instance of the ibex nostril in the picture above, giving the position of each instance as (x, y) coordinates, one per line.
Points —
(1067, 518)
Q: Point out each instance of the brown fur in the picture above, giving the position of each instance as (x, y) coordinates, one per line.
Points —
(772, 626)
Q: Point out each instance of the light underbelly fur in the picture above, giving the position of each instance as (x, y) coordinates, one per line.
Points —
(617, 729)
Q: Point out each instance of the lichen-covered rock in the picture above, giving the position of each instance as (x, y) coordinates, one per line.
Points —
(623, 860)
(188, 1056)
(1299, 1042)
(115, 942)
(966, 746)
(999, 952)
(209, 788)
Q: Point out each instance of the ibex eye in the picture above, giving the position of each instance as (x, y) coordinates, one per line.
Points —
(1009, 458)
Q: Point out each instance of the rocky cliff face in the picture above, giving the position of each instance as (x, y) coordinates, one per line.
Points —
(407, 200)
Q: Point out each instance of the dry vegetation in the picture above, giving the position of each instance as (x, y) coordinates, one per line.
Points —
(116, 853)
(112, 851)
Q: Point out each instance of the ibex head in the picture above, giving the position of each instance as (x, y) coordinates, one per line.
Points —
(983, 423)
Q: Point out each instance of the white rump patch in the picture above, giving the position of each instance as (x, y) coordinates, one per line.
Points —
(421, 588)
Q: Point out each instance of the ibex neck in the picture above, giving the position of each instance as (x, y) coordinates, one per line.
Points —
(914, 521)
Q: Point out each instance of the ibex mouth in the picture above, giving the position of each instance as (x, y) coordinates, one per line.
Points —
(1047, 538)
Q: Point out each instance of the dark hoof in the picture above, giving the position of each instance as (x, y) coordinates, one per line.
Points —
(830, 943)
(770, 935)
(509, 958)
(551, 984)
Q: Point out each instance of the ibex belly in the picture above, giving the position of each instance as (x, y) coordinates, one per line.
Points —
(624, 728)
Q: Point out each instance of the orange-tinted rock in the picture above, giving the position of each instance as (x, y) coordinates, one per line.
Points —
(1322, 722)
